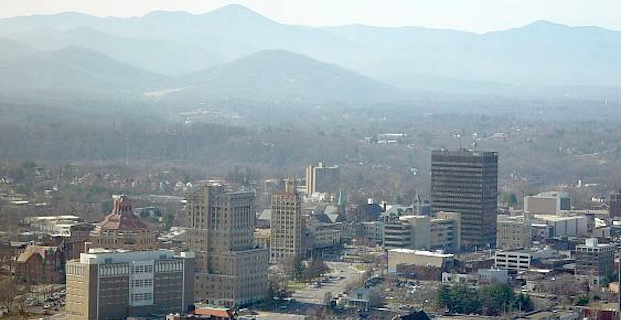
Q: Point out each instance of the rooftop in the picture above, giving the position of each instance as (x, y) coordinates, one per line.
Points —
(422, 253)
(122, 216)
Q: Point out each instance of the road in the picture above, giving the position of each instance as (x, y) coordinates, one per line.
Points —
(314, 295)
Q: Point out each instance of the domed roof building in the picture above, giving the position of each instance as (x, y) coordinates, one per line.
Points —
(121, 229)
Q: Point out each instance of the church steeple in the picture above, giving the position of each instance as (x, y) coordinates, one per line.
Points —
(340, 203)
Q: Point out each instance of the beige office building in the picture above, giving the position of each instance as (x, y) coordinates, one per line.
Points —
(108, 284)
(423, 232)
(121, 229)
(547, 203)
(322, 179)
(286, 225)
(513, 233)
(445, 231)
(230, 270)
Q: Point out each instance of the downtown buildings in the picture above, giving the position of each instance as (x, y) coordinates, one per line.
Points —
(230, 270)
(466, 182)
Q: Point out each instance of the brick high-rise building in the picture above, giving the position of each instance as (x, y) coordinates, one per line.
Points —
(286, 224)
(594, 261)
(467, 182)
(109, 284)
(230, 270)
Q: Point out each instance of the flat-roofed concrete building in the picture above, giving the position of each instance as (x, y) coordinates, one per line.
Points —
(286, 224)
(230, 270)
(423, 232)
(466, 181)
(551, 202)
(520, 260)
(594, 261)
(564, 226)
(408, 232)
(108, 284)
(322, 178)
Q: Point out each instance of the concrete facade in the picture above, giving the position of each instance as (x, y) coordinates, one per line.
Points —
(106, 284)
(547, 203)
(424, 232)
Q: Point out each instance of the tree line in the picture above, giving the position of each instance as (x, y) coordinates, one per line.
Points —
(489, 300)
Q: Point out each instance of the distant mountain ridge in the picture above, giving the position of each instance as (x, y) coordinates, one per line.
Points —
(278, 75)
(179, 44)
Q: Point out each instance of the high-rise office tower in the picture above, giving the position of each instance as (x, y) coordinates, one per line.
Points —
(286, 224)
(230, 270)
(467, 182)
(322, 178)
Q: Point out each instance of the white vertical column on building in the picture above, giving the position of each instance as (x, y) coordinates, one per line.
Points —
(141, 279)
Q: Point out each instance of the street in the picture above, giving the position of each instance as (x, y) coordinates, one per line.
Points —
(315, 295)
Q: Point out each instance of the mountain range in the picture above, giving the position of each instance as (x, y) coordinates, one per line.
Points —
(235, 52)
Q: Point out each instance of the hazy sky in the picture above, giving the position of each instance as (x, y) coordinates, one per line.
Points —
(471, 15)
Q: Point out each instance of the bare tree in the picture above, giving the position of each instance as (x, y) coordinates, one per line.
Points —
(8, 294)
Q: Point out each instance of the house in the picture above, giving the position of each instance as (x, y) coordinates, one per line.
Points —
(360, 298)
(40, 264)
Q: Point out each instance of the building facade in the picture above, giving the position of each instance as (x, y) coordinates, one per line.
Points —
(230, 270)
(423, 232)
(420, 258)
(40, 264)
(322, 179)
(547, 203)
(594, 261)
(121, 229)
(467, 182)
(514, 234)
(286, 224)
(520, 260)
(108, 284)
(512, 260)
(446, 232)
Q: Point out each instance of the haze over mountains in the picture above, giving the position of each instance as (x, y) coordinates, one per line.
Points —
(234, 52)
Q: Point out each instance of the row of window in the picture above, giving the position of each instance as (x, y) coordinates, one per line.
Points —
(142, 283)
(142, 296)
(143, 269)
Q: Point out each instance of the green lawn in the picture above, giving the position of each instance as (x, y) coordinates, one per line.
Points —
(294, 285)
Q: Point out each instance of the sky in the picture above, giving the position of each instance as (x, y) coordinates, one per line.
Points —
(468, 15)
